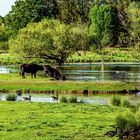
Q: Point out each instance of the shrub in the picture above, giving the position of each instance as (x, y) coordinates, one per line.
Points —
(116, 101)
(73, 99)
(127, 122)
(63, 99)
(11, 97)
(126, 103)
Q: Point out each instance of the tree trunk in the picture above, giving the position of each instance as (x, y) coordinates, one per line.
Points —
(102, 66)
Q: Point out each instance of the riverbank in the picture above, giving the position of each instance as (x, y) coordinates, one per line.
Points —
(27, 120)
(11, 82)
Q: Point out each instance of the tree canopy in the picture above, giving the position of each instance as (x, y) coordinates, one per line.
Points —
(104, 24)
(48, 39)
(76, 24)
(26, 11)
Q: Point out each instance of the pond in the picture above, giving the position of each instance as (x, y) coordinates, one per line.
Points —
(92, 72)
(90, 99)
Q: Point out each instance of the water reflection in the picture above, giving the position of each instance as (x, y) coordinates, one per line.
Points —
(92, 72)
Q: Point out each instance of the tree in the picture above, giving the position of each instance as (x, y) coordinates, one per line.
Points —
(3, 35)
(104, 26)
(134, 17)
(48, 39)
(26, 11)
(73, 11)
(124, 34)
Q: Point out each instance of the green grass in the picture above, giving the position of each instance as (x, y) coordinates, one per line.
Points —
(12, 82)
(111, 55)
(41, 121)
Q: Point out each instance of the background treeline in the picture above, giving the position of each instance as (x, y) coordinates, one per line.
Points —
(54, 29)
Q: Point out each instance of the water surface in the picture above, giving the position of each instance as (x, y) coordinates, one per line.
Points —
(92, 72)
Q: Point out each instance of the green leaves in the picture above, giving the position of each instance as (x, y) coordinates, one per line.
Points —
(48, 39)
(104, 23)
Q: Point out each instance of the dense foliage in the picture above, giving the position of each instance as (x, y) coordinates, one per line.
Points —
(49, 39)
(104, 23)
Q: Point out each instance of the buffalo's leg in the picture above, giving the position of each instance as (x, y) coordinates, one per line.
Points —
(33, 75)
(23, 74)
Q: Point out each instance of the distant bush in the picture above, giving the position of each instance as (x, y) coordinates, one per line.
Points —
(116, 101)
(73, 99)
(126, 103)
(11, 97)
(63, 99)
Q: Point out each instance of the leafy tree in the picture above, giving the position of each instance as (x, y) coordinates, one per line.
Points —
(124, 35)
(104, 27)
(104, 24)
(134, 16)
(3, 35)
(26, 11)
(73, 11)
(48, 39)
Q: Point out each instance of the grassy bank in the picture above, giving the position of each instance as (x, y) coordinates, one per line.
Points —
(42, 121)
(12, 82)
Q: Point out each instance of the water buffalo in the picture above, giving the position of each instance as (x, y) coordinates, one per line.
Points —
(30, 68)
(54, 73)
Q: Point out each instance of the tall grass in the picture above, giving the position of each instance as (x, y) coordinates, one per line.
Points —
(73, 99)
(116, 101)
(128, 121)
(63, 99)
(11, 97)
(126, 103)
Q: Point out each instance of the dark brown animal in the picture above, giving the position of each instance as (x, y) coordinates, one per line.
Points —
(30, 68)
(54, 73)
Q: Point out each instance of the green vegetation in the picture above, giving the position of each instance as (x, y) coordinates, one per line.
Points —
(11, 97)
(63, 99)
(128, 122)
(71, 99)
(54, 30)
(118, 55)
(77, 26)
(126, 103)
(49, 39)
(116, 101)
(23, 120)
(12, 82)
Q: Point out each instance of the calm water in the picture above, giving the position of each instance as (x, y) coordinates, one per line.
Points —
(92, 72)
(92, 99)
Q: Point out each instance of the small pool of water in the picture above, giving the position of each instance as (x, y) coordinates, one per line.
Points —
(94, 99)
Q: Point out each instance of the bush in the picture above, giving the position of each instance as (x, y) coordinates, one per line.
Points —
(126, 103)
(73, 99)
(63, 99)
(11, 97)
(116, 101)
(128, 122)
